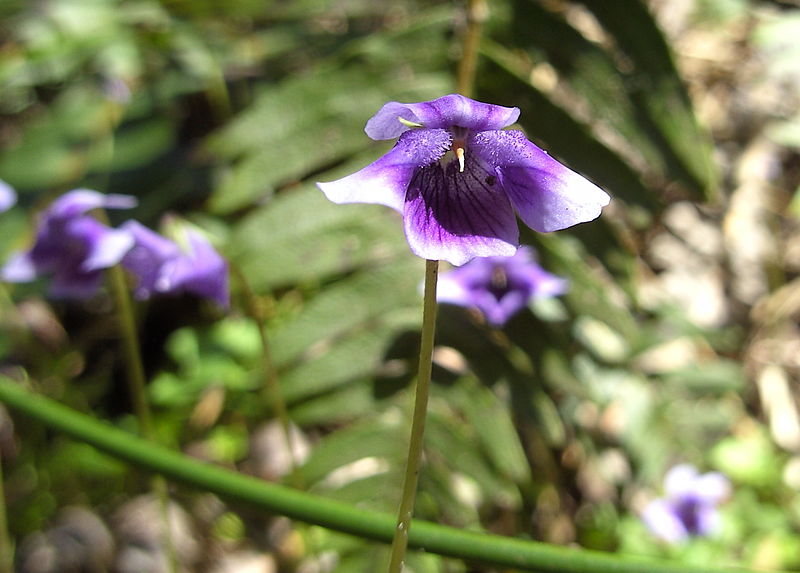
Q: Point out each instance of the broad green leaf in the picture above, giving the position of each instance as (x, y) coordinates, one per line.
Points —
(316, 119)
(592, 290)
(301, 236)
(658, 92)
(451, 444)
(498, 439)
(136, 144)
(345, 404)
(354, 358)
(591, 74)
(347, 305)
(372, 439)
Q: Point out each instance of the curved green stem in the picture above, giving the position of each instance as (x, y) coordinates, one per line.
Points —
(265, 496)
(406, 509)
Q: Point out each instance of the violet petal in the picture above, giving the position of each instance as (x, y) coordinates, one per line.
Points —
(385, 181)
(458, 285)
(443, 113)
(146, 258)
(19, 269)
(547, 195)
(79, 201)
(712, 488)
(662, 521)
(202, 271)
(681, 481)
(105, 247)
(499, 310)
(8, 197)
(707, 520)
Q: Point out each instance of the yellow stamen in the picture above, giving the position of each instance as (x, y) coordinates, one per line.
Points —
(459, 149)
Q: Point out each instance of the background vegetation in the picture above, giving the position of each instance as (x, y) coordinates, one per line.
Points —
(678, 341)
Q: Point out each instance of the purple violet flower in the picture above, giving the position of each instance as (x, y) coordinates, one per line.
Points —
(499, 286)
(689, 505)
(71, 246)
(8, 197)
(161, 266)
(457, 179)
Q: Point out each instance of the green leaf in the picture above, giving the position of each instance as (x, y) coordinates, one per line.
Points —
(353, 358)
(344, 404)
(316, 119)
(499, 439)
(372, 438)
(656, 89)
(589, 71)
(301, 236)
(350, 303)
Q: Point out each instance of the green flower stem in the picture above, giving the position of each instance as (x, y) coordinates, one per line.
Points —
(137, 390)
(258, 494)
(476, 13)
(133, 359)
(406, 509)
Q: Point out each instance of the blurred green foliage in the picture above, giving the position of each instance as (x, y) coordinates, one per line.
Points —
(556, 428)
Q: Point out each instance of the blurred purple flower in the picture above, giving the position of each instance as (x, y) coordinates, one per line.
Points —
(689, 505)
(161, 266)
(458, 179)
(499, 286)
(71, 246)
(8, 197)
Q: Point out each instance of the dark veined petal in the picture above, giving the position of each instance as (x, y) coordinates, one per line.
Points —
(443, 113)
(456, 216)
(547, 195)
(385, 181)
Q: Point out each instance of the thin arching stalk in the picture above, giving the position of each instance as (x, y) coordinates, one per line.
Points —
(414, 459)
(257, 494)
